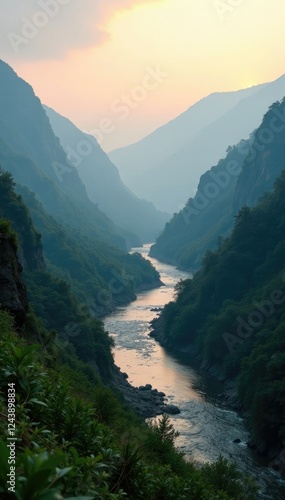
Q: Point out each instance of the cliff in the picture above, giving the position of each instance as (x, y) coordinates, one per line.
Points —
(13, 296)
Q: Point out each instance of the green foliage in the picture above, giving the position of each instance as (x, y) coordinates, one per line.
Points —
(99, 275)
(6, 230)
(243, 215)
(164, 429)
(161, 444)
(6, 322)
(93, 272)
(12, 208)
(70, 442)
(243, 279)
(225, 477)
(193, 230)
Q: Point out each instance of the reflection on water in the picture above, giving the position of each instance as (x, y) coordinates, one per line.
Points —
(206, 428)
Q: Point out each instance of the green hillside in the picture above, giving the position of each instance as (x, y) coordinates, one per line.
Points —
(232, 312)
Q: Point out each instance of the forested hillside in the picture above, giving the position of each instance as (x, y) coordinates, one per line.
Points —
(242, 177)
(197, 227)
(99, 275)
(232, 313)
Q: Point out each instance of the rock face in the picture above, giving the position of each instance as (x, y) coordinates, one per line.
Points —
(30, 256)
(13, 296)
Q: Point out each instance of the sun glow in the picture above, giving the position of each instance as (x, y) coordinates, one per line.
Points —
(185, 38)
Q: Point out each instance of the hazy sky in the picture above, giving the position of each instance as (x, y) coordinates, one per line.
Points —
(121, 68)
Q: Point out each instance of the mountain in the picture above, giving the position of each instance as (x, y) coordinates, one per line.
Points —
(167, 140)
(27, 138)
(170, 182)
(103, 183)
(231, 314)
(248, 171)
(81, 243)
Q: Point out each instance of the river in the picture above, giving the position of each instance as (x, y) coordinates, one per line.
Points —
(207, 428)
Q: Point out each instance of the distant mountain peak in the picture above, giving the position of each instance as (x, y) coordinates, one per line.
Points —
(165, 166)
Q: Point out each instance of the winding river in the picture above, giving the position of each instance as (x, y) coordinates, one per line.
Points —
(207, 428)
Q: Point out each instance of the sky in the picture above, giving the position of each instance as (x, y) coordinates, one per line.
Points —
(121, 68)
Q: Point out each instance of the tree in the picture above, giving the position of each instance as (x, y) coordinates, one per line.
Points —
(7, 182)
(243, 215)
(165, 429)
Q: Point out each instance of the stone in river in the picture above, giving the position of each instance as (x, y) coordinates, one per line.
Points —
(171, 409)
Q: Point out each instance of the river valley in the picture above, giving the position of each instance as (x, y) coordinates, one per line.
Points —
(207, 427)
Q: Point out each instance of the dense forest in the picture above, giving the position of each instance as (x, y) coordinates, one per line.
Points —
(232, 313)
(76, 437)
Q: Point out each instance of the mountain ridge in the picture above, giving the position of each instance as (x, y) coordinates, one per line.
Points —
(208, 216)
(103, 183)
(170, 183)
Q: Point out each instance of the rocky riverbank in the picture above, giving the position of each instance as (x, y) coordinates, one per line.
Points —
(144, 400)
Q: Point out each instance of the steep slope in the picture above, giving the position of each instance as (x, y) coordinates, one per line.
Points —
(265, 158)
(25, 132)
(232, 312)
(146, 154)
(245, 174)
(30, 248)
(51, 297)
(205, 217)
(103, 183)
(100, 276)
(85, 220)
